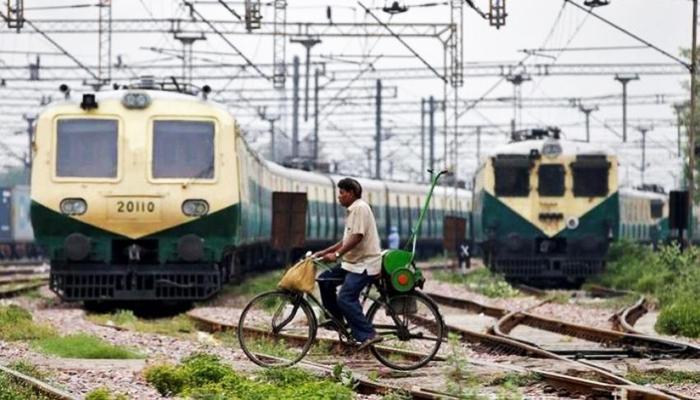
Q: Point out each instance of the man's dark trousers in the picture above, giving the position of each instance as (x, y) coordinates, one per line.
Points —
(347, 303)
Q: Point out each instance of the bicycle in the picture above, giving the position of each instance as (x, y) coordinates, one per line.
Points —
(278, 328)
(284, 323)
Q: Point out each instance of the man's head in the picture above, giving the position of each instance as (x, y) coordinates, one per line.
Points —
(349, 191)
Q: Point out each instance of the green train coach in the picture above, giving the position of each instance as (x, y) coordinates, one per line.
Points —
(545, 210)
(145, 194)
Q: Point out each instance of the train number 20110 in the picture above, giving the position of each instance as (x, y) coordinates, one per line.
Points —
(136, 206)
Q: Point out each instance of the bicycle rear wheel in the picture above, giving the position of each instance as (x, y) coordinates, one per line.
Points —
(276, 329)
(412, 330)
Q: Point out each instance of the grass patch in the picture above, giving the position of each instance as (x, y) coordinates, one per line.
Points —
(16, 323)
(481, 281)
(179, 325)
(29, 369)
(668, 275)
(255, 285)
(84, 346)
(662, 376)
(204, 376)
(15, 391)
(105, 394)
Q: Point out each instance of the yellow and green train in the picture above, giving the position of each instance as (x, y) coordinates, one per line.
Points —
(144, 194)
(545, 210)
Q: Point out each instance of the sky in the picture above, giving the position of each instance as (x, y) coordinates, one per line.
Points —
(348, 106)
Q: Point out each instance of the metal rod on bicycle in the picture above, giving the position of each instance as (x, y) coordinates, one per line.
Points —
(416, 229)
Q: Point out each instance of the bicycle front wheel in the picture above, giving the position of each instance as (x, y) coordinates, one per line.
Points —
(412, 330)
(276, 329)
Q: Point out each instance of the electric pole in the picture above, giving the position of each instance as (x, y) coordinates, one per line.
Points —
(262, 112)
(317, 72)
(422, 139)
(308, 43)
(587, 112)
(431, 132)
(624, 80)
(378, 132)
(678, 107)
(517, 80)
(692, 124)
(643, 130)
(295, 108)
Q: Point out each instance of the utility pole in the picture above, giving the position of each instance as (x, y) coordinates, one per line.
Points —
(378, 132)
(262, 112)
(431, 132)
(678, 107)
(587, 112)
(187, 39)
(104, 61)
(422, 139)
(624, 80)
(643, 130)
(692, 124)
(30, 139)
(517, 80)
(295, 109)
(478, 145)
(317, 72)
(308, 43)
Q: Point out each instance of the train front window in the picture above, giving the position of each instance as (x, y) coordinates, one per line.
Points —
(590, 176)
(657, 208)
(551, 180)
(86, 148)
(183, 149)
(512, 175)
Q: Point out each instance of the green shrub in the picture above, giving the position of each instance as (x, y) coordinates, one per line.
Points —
(672, 276)
(84, 346)
(29, 369)
(167, 379)
(682, 317)
(10, 390)
(16, 324)
(481, 280)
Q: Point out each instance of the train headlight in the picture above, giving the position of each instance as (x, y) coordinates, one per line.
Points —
(73, 206)
(195, 207)
(136, 100)
(572, 222)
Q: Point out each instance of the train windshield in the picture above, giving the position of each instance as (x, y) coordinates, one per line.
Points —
(86, 148)
(551, 180)
(590, 176)
(512, 173)
(183, 149)
(657, 208)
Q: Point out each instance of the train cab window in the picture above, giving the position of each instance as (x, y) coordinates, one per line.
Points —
(183, 149)
(590, 175)
(512, 173)
(86, 148)
(551, 180)
(657, 209)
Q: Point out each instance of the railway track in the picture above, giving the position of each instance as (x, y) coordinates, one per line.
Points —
(37, 386)
(609, 386)
(16, 279)
(612, 344)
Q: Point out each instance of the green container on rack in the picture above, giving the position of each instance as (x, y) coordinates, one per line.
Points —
(397, 265)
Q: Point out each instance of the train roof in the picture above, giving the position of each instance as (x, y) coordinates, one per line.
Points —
(644, 194)
(569, 147)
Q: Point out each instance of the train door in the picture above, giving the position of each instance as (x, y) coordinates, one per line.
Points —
(289, 211)
(454, 233)
(5, 215)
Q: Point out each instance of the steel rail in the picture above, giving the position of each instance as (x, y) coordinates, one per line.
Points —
(37, 385)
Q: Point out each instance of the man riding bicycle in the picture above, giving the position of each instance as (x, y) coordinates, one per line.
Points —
(361, 262)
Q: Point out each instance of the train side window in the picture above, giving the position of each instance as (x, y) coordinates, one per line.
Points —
(657, 209)
(550, 180)
(512, 173)
(590, 176)
(86, 148)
